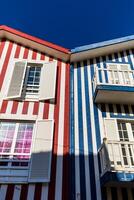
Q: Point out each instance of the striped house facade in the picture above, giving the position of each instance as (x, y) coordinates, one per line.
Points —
(57, 110)
(87, 125)
(77, 142)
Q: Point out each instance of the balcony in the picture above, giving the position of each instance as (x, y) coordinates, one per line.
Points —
(116, 162)
(113, 86)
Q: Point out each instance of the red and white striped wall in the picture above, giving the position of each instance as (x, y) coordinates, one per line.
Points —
(57, 189)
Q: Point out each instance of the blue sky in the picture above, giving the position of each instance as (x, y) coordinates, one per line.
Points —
(70, 23)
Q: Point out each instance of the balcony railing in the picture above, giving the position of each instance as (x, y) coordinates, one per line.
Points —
(113, 77)
(108, 83)
(116, 156)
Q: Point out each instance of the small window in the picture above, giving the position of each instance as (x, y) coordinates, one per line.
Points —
(31, 85)
(33, 80)
(15, 143)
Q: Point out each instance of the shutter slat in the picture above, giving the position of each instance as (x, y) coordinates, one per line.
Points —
(48, 81)
(42, 151)
(16, 83)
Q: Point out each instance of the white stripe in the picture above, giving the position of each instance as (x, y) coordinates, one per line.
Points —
(51, 108)
(130, 110)
(38, 56)
(9, 107)
(102, 72)
(20, 108)
(119, 57)
(122, 110)
(9, 70)
(85, 135)
(17, 191)
(125, 56)
(77, 172)
(131, 57)
(21, 52)
(4, 52)
(98, 191)
(3, 191)
(46, 58)
(41, 110)
(113, 58)
(58, 191)
(114, 110)
(107, 111)
(30, 109)
(44, 193)
(31, 190)
(101, 123)
(30, 53)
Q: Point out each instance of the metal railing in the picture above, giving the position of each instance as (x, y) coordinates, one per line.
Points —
(113, 77)
(116, 156)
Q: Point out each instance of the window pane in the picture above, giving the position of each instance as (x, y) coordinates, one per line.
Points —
(6, 136)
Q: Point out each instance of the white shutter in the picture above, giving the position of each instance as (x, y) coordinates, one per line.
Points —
(48, 81)
(111, 129)
(42, 151)
(16, 83)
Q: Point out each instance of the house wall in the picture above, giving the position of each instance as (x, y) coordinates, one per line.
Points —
(87, 131)
(59, 111)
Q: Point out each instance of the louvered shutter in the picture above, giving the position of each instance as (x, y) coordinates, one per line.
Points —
(42, 151)
(112, 134)
(48, 81)
(16, 83)
(111, 129)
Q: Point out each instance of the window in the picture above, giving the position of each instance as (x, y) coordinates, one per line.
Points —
(125, 130)
(120, 135)
(120, 74)
(15, 143)
(32, 80)
(25, 151)
(31, 83)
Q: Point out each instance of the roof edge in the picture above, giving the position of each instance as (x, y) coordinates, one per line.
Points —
(34, 39)
(102, 44)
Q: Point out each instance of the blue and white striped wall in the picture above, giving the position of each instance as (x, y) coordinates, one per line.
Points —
(86, 129)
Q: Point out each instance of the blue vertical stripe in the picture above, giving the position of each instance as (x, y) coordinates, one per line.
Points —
(72, 141)
(81, 143)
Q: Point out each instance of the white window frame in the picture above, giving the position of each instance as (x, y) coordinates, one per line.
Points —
(130, 139)
(11, 153)
(27, 97)
(120, 73)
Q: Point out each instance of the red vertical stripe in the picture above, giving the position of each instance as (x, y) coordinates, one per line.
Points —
(36, 108)
(17, 53)
(37, 193)
(10, 191)
(25, 56)
(51, 191)
(46, 110)
(65, 186)
(4, 68)
(24, 191)
(42, 57)
(2, 46)
(25, 107)
(14, 107)
(34, 54)
(4, 106)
